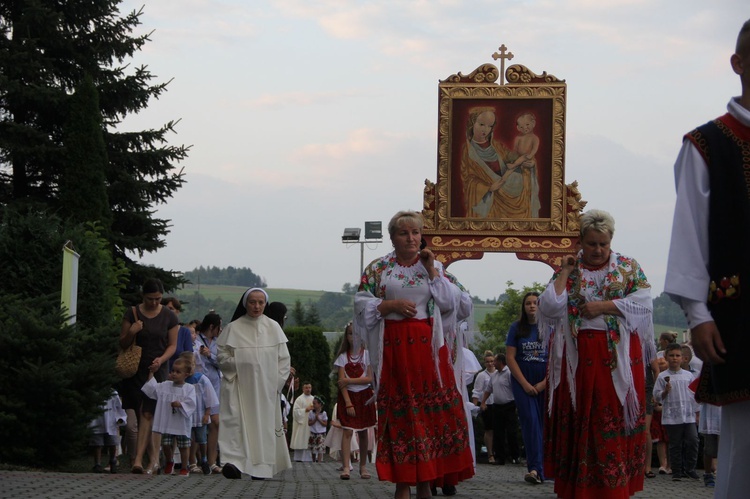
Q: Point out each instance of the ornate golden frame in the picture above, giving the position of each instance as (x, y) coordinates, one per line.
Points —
(460, 237)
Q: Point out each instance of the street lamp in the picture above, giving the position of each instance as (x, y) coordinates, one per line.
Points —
(373, 234)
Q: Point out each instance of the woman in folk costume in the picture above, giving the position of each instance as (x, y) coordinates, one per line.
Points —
(596, 313)
(254, 359)
(404, 307)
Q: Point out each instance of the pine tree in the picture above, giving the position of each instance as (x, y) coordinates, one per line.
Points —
(298, 314)
(312, 317)
(83, 188)
(48, 49)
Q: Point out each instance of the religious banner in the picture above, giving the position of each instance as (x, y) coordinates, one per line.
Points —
(69, 289)
(501, 167)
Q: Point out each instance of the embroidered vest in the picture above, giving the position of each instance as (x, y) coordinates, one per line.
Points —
(724, 144)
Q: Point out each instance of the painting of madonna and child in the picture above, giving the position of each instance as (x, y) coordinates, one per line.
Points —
(501, 159)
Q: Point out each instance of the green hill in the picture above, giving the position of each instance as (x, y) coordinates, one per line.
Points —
(233, 293)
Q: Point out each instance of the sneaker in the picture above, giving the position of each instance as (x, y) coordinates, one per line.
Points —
(709, 480)
(169, 468)
(205, 468)
(692, 474)
(184, 472)
(676, 477)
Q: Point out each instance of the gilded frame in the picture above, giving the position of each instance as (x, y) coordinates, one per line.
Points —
(542, 95)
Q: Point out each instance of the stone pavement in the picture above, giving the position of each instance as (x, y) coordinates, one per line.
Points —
(303, 481)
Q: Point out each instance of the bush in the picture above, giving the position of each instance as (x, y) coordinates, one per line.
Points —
(311, 358)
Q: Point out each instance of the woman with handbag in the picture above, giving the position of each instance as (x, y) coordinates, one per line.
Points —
(152, 327)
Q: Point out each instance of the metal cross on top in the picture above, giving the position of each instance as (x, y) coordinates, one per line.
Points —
(502, 56)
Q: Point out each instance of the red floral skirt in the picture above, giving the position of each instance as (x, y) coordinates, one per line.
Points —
(422, 429)
(364, 414)
(588, 451)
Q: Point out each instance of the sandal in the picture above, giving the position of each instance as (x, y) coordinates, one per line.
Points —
(662, 470)
(137, 470)
(344, 476)
(650, 474)
(532, 477)
(364, 474)
(216, 469)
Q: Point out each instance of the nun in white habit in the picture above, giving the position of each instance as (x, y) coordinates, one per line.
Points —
(254, 359)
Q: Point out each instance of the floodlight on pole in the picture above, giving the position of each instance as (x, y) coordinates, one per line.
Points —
(373, 234)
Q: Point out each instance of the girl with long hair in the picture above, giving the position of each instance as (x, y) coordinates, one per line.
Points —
(354, 412)
(527, 361)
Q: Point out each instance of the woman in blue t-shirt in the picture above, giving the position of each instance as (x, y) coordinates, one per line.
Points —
(527, 361)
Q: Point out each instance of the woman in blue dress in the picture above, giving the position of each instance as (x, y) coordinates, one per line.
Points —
(527, 361)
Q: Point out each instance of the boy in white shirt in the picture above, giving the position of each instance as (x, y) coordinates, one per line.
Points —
(175, 404)
(678, 414)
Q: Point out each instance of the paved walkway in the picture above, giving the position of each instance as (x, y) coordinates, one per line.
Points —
(303, 481)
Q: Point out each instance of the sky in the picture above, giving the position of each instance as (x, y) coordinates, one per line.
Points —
(306, 117)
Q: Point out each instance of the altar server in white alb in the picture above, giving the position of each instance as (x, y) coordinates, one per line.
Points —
(254, 360)
(175, 404)
(300, 429)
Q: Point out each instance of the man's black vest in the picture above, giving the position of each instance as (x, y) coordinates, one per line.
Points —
(725, 145)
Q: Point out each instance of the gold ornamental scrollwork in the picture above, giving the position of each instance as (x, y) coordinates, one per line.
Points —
(446, 258)
(487, 73)
(519, 74)
(501, 243)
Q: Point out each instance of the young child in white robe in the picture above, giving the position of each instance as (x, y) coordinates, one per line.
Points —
(175, 405)
(318, 421)
(205, 397)
(105, 432)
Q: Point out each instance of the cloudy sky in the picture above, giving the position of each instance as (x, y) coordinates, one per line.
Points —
(306, 117)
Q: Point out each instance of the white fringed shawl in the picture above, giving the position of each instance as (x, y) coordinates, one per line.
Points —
(369, 325)
(559, 319)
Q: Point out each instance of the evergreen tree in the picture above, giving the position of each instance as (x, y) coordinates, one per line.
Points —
(312, 318)
(298, 314)
(48, 50)
(83, 188)
(47, 368)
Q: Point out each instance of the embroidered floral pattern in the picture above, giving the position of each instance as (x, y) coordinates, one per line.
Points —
(590, 449)
(443, 436)
(623, 277)
(726, 288)
(376, 274)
